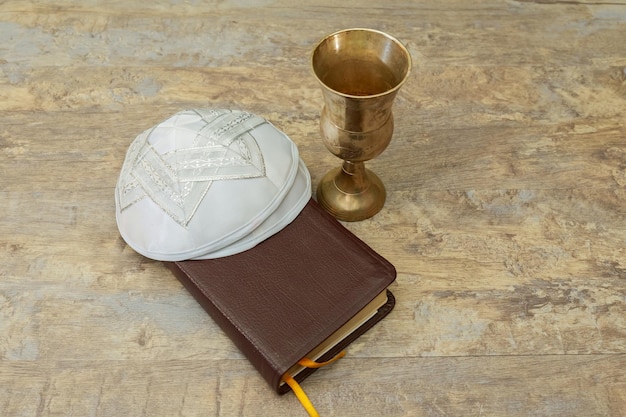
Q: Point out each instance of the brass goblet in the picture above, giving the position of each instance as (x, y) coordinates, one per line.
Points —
(360, 71)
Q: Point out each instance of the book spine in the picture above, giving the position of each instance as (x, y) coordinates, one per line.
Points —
(269, 372)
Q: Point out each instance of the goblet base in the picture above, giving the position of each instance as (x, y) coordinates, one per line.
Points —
(350, 197)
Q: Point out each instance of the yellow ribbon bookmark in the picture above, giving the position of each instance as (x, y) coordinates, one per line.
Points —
(295, 387)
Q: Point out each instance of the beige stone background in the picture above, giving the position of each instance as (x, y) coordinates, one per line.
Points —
(505, 216)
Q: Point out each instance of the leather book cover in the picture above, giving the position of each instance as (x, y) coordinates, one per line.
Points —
(282, 298)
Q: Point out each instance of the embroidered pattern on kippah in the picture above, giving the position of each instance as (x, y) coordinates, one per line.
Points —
(177, 181)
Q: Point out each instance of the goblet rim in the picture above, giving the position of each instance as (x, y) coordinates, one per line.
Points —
(369, 96)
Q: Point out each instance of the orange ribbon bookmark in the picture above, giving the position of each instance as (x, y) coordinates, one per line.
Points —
(295, 387)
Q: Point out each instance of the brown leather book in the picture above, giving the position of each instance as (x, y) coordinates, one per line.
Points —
(308, 291)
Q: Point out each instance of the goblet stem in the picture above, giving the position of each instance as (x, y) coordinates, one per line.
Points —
(352, 179)
(352, 192)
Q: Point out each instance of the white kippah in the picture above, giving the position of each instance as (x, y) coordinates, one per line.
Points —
(208, 183)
